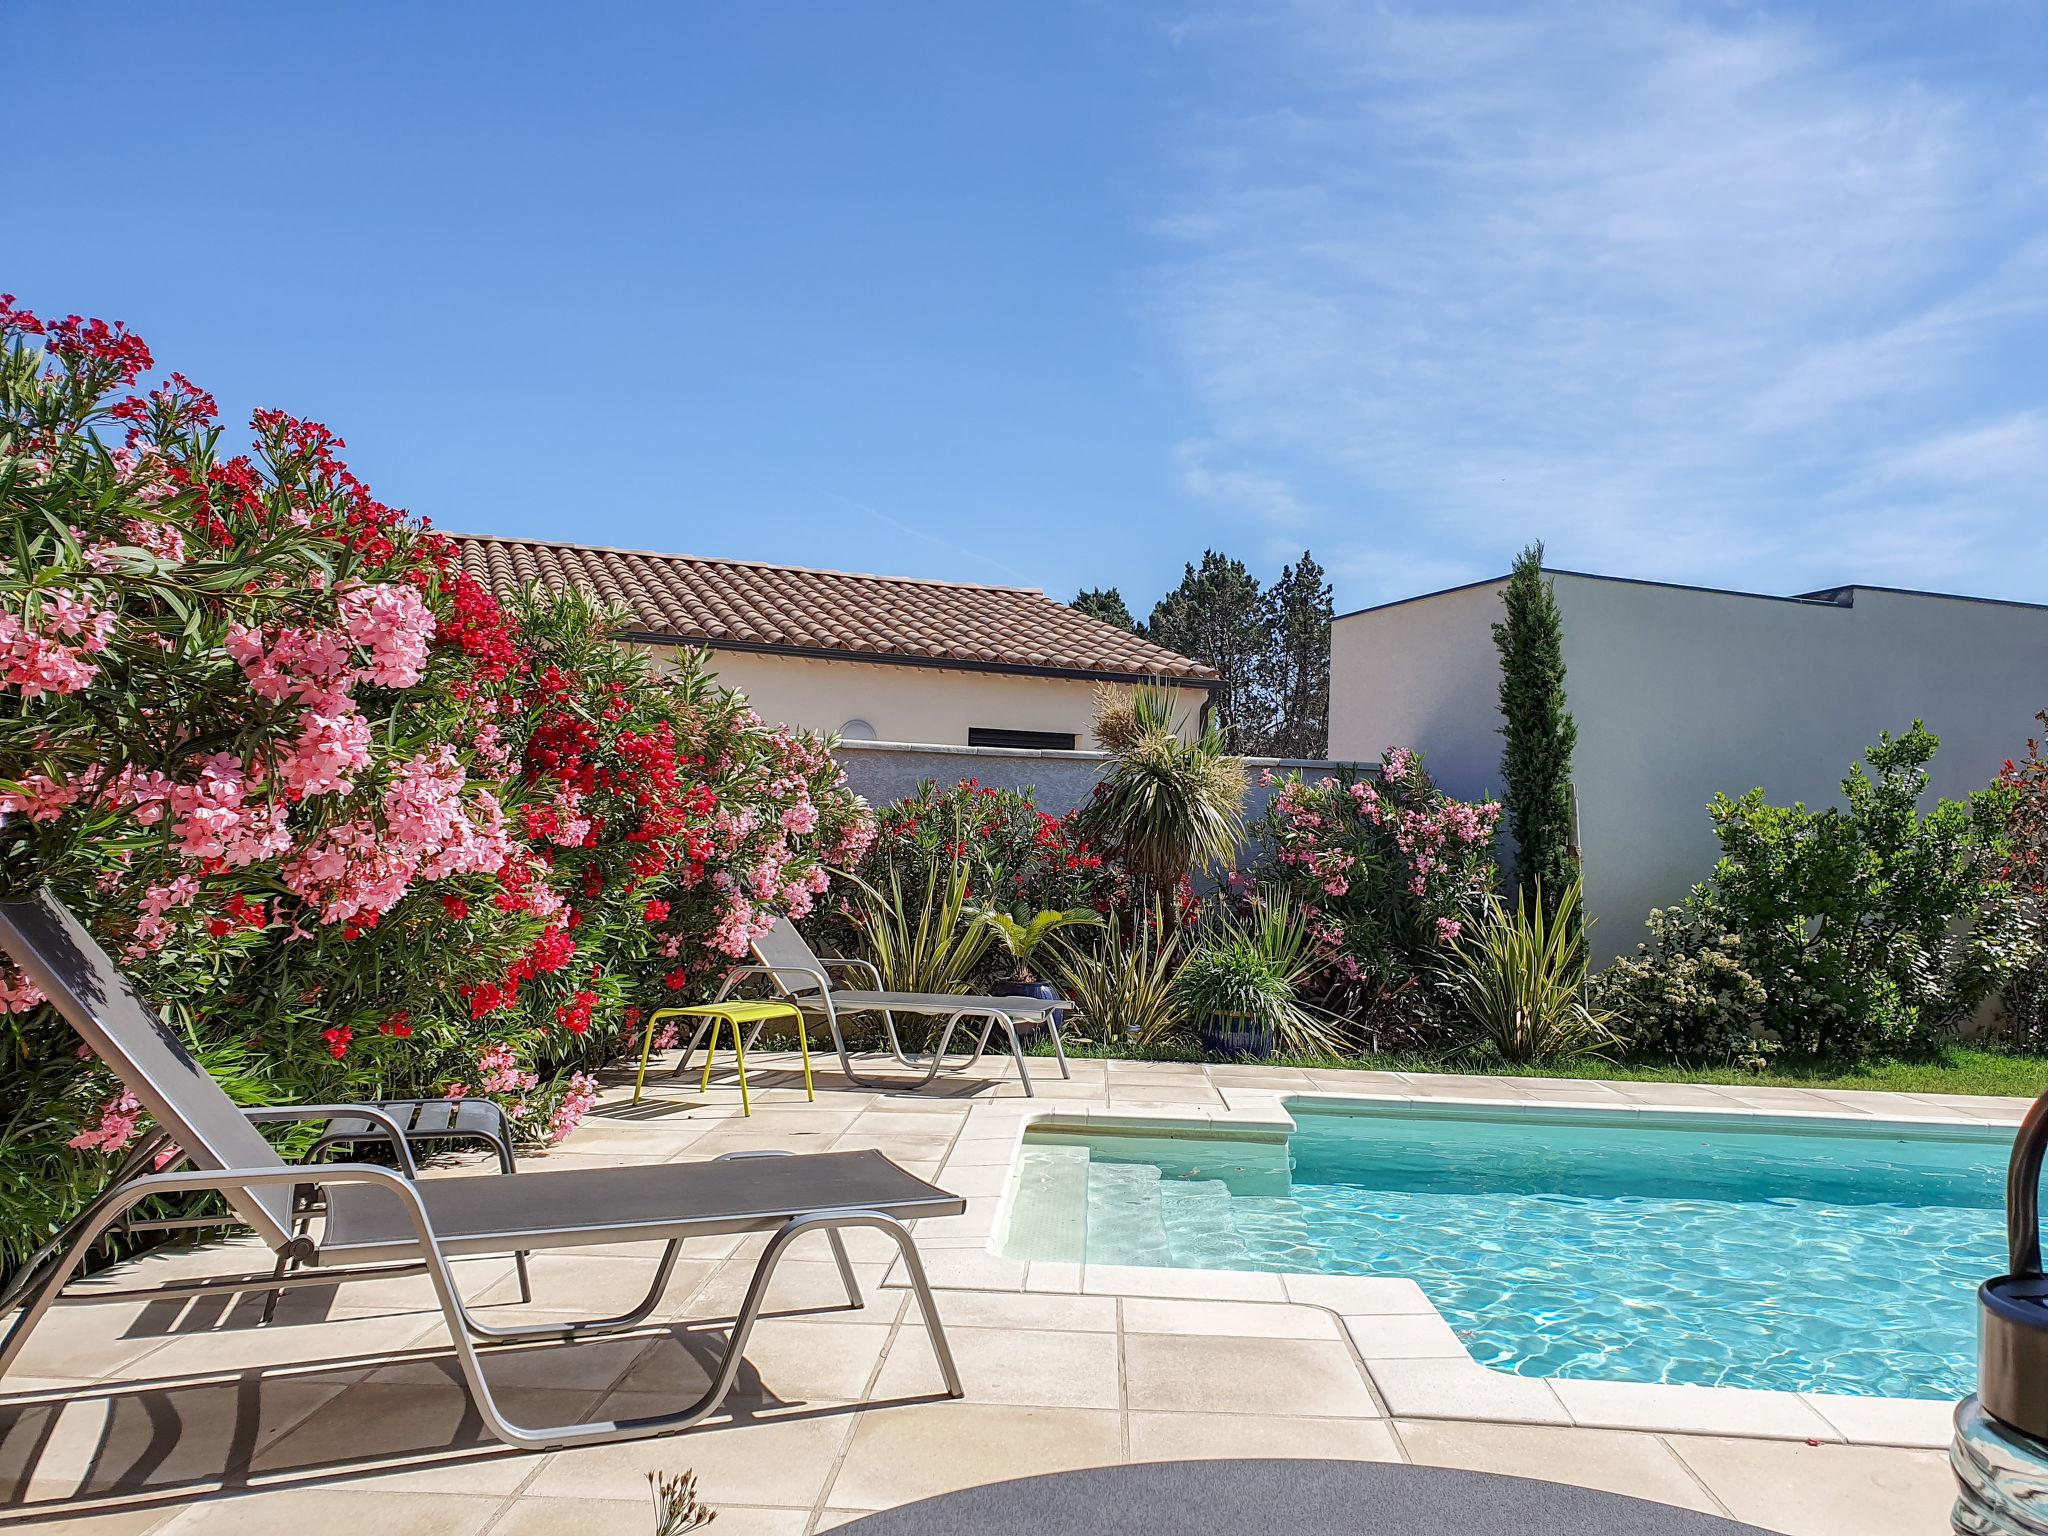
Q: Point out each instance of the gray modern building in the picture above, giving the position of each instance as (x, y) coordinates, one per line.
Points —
(1683, 691)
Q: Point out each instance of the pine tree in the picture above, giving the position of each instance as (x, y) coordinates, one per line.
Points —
(1107, 605)
(1536, 761)
(1297, 663)
(1217, 615)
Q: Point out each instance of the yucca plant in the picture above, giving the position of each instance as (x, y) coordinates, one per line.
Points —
(1021, 938)
(934, 946)
(1519, 979)
(1166, 805)
(1124, 988)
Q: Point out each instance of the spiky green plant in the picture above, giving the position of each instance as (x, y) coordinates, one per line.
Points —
(1257, 965)
(933, 946)
(1166, 805)
(1519, 980)
(1020, 939)
(1123, 988)
(676, 1509)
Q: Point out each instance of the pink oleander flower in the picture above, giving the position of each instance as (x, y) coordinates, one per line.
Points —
(394, 625)
(800, 818)
(332, 745)
(349, 872)
(48, 654)
(17, 993)
(1448, 929)
(119, 1119)
(42, 798)
(575, 1104)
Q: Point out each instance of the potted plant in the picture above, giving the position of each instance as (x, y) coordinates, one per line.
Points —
(1241, 985)
(1020, 935)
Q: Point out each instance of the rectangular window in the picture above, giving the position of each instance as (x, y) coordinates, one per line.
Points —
(1043, 741)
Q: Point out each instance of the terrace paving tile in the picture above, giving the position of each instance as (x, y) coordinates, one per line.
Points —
(800, 1286)
(780, 1461)
(967, 1269)
(1164, 1093)
(408, 1425)
(1447, 1389)
(1028, 1369)
(1226, 1319)
(185, 1439)
(1211, 1436)
(1691, 1410)
(1824, 1490)
(789, 1362)
(1202, 1284)
(336, 1512)
(1245, 1376)
(1357, 1295)
(1405, 1336)
(981, 1152)
(622, 1517)
(1028, 1311)
(1914, 1422)
(922, 1450)
(1640, 1465)
(1053, 1275)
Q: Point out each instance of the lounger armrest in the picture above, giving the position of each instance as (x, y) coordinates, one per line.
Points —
(813, 972)
(219, 1180)
(863, 965)
(276, 1114)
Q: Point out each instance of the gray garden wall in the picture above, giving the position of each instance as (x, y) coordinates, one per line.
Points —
(886, 771)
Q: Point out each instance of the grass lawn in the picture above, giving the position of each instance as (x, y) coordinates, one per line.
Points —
(1958, 1069)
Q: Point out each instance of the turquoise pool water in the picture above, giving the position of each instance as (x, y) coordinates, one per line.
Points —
(1772, 1253)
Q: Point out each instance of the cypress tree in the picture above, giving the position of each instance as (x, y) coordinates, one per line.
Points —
(1539, 732)
(1298, 613)
(1217, 615)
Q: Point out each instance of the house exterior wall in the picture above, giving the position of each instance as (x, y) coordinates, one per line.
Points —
(911, 703)
(1422, 675)
(1680, 693)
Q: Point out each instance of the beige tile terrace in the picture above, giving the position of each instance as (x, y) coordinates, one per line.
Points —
(347, 1416)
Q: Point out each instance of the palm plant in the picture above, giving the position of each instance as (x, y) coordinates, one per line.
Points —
(934, 946)
(1256, 966)
(1020, 938)
(1125, 989)
(1519, 979)
(1166, 805)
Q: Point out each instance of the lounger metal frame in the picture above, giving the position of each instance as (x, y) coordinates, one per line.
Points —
(819, 998)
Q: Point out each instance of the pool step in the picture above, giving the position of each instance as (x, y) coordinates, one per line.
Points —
(1123, 1214)
(1201, 1227)
(1049, 1209)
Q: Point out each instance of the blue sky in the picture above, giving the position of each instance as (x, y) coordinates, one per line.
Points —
(1060, 293)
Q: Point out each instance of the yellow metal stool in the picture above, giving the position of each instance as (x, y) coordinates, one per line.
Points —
(733, 1013)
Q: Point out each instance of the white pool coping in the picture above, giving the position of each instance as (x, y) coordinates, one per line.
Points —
(1409, 1350)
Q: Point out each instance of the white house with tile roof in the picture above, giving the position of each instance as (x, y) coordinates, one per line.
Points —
(888, 658)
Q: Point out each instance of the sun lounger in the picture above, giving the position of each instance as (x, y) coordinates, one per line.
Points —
(381, 1222)
(787, 959)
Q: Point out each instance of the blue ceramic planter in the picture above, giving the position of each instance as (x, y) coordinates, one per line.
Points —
(1237, 1035)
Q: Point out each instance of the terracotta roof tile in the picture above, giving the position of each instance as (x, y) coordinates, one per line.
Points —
(787, 607)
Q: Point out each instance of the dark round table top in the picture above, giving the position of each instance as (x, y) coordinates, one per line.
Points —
(1287, 1498)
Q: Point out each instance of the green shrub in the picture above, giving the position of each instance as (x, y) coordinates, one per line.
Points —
(1869, 926)
(1687, 994)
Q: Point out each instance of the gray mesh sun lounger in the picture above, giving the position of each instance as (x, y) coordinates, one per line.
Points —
(380, 1222)
(806, 980)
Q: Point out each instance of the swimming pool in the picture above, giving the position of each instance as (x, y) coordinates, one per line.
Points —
(1770, 1252)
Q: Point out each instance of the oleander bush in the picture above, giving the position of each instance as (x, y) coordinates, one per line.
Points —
(1387, 872)
(358, 830)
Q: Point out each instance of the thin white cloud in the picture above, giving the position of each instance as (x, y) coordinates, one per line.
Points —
(1661, 287)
